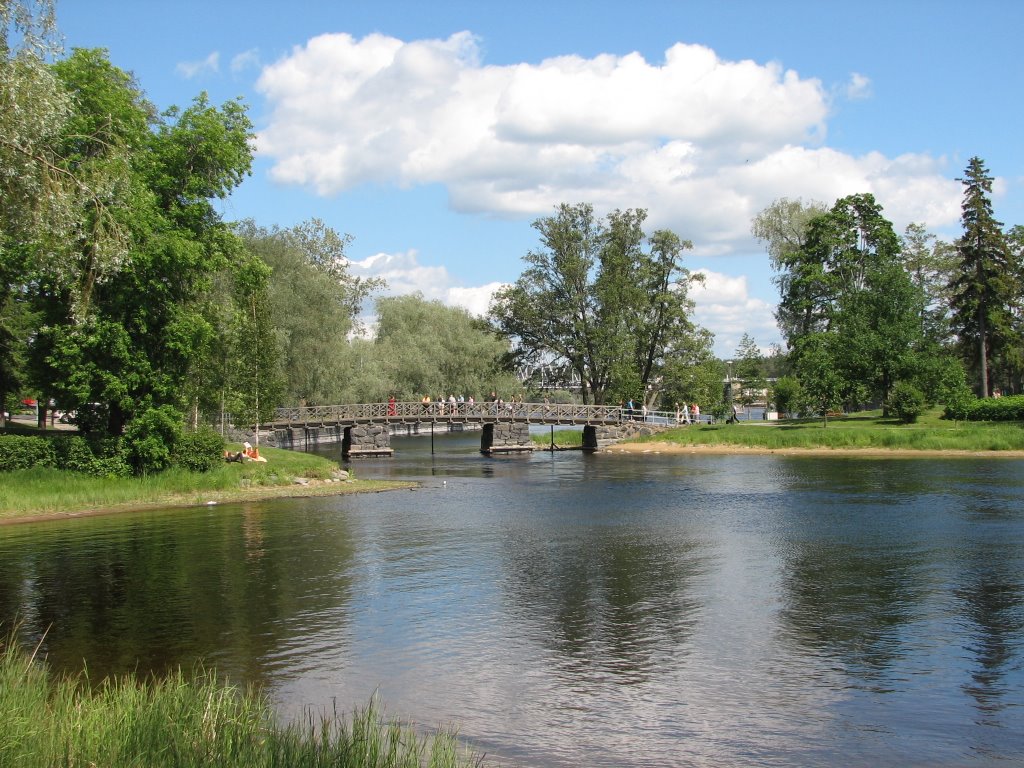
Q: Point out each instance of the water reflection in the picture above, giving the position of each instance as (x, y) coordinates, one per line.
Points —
(585, 610)
(606, 604)
(993, 605)
(153, 592)
(851, 604)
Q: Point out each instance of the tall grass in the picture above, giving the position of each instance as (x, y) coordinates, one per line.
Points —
(861, 431)
(47, 721)
(564, 438)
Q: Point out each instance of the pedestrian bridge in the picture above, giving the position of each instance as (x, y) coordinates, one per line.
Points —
(365, 428)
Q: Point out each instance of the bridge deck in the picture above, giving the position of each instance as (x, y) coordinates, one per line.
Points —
(483, 413)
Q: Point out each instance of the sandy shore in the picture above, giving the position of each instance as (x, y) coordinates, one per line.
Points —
(728, 450)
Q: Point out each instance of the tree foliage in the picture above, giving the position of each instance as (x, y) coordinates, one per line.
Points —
(749, 369)
(603, 298)
(427, 348)
(984, 288)
(845, 289)
(313, 302)
(109, 237)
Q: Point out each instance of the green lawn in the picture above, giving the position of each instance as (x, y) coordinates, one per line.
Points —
(863, 430)
(34, 492)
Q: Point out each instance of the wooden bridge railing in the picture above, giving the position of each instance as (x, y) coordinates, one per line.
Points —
(416, 412)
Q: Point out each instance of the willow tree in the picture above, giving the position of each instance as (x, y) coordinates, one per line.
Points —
(601, 297)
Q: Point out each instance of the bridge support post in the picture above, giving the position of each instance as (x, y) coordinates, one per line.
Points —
(505, 437)
(590, 438)
(366, 440)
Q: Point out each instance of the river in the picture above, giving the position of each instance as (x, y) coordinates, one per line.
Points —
(583, 610)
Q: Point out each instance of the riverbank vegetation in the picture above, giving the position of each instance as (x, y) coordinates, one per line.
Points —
(45, 491)
(868, 430)
(185, 721)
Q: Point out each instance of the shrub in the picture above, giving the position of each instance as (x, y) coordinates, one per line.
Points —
(150, 439)
(199, 451)
(958, 403)
(786, 394)
(987, 409)
(998, 409)
(99, 457)
(73, 453)
(907, 402)
(25, 452)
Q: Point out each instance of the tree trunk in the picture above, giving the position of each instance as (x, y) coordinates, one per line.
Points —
(983, 352)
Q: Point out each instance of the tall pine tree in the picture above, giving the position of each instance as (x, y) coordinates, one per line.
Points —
(982, 286)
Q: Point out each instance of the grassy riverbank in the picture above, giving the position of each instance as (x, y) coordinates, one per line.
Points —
(564, 439)
(49, 721)
(43, 493)
(862, 431)
(867, 431)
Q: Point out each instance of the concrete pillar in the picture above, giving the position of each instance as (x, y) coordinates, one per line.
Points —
(589, 437)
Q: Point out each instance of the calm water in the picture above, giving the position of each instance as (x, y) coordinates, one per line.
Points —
(574, 610)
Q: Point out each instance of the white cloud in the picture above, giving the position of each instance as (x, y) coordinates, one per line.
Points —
(190, 69)
(858, 87)
(704, 144)
(723, 302)
(725, 306)
(404, 275)
(249, 59)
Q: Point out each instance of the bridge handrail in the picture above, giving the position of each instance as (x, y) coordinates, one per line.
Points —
(447, 411)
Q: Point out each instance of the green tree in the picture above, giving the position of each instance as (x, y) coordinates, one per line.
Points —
(123, 320)
(602, 298)
(693, 374)
(783, 227)
(314, 303)
(749, 369)
(848, 281)
(426, 348)
(787, 394)
(930, 263)
(821, 382)
(35, 193)
(982, 288)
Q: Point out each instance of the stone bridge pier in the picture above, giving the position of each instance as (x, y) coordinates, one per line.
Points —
(366, 441)
(505, 437)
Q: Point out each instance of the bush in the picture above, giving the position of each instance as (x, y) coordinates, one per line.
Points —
(25, 452)
(958, 403)
(987, 409)
(150, 439)
(91, 456)
(907, 402)
(199, 451)
(74, 453)
(786, 394)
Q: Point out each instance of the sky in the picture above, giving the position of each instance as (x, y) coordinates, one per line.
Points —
(436, 133)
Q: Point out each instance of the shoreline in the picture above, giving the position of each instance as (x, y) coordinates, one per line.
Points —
(215, 498)
(725, 449)
(316, 488)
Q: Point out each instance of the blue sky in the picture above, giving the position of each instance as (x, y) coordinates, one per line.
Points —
(435, 133)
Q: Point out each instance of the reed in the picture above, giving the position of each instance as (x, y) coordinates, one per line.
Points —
(180, 722)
